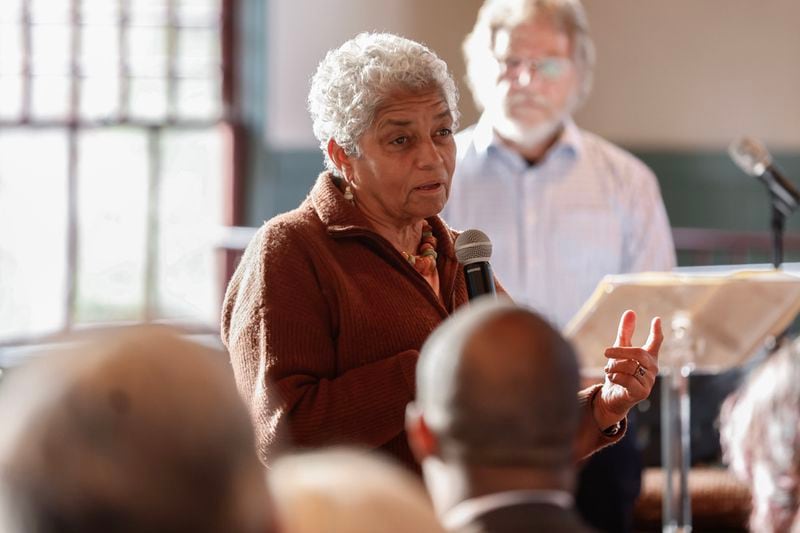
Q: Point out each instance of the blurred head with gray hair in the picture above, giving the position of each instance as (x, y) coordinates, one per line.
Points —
(530, 65)
(760, 437)
(129, 431)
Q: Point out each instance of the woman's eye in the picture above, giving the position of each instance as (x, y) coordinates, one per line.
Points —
(400, 140)
(445, 132)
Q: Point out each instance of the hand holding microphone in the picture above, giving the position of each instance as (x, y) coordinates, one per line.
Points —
(473, 250)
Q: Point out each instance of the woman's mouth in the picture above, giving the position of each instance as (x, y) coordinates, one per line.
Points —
(429, 187)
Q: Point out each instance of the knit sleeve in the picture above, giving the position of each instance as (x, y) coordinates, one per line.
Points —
(282, 332)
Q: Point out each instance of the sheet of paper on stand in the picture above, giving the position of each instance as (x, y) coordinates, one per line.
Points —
(731, 313)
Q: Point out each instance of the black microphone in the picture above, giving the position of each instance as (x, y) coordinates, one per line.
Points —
(754, 159)
(473, 250)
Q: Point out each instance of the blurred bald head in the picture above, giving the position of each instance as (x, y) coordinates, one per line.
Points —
(497, 385)
(138, 430)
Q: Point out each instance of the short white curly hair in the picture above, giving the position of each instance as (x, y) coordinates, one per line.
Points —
(497, 15)
(353, 80)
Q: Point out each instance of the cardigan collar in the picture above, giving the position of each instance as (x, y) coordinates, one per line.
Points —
(345, 219)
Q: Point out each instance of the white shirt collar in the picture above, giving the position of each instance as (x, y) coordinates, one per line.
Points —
(466, 511)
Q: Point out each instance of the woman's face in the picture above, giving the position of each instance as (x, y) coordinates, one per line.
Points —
(406, 158)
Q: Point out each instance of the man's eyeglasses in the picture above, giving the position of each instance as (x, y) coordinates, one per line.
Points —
(549, 68)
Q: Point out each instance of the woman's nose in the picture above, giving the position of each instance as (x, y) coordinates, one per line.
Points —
(429, 154)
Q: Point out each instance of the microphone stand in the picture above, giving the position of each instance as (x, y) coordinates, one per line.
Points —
(778, 225)
(680, 353)
(780, 210)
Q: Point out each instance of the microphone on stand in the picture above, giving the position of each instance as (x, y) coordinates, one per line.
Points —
(753, 158)
(473, 250)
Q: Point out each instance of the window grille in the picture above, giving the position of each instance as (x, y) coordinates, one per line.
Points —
(115, 158)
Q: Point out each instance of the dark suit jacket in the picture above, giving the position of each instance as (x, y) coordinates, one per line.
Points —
(528, 518)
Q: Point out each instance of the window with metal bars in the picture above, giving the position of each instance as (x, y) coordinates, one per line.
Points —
(114, 155)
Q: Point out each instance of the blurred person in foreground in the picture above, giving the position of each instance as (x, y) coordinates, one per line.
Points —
(495, 422)
(760, 437)
(348, 491)
(333, 300)
(131, 431)
(562, 206)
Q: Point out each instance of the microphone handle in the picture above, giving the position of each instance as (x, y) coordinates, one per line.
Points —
(479, 278)
(784, 184)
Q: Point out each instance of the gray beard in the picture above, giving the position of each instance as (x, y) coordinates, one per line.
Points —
(528, 137)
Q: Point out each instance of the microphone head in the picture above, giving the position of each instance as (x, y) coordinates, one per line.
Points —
(473, 246)
(750, 155)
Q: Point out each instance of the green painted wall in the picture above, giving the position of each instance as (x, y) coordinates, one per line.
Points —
(701, 189)
(288, 178)
(706, 189)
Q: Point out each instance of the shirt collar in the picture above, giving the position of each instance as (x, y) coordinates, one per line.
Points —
(571, 138)
(485, 139)
(467, 511)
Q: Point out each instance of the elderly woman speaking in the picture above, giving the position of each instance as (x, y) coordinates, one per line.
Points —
(332, 301)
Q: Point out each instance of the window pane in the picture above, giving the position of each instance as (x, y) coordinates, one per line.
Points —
(49, 11)
(51, 49)
(148, 99)
(99, 98)
(199, 99)
(198, 12)
(148, 52)
(100, 51)
(112, 207)
(11, 12)
(198, 53)
(99, 12)
(10, 98)
(33, 225)
(100, 64)
(50, 97)
(148, 12)
(10, 49)
(190, 214)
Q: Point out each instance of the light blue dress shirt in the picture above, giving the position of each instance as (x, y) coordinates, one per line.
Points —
(587, 209)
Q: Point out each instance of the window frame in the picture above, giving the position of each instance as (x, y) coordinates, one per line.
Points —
(234, 135)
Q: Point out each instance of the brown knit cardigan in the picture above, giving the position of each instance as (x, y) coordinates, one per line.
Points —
(329, 313)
